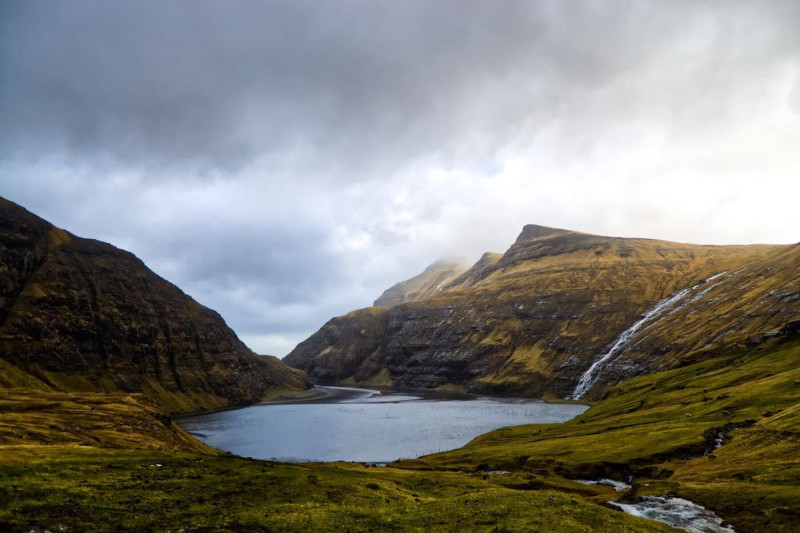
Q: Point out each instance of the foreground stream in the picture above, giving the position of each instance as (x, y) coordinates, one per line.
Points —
(364, 425)
(676, 512)
(673, 511)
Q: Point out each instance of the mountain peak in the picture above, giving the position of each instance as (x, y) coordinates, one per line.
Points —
(428, 283)
(534, 231)
(444, 263)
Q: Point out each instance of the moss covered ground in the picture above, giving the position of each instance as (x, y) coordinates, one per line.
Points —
(35, 418)
(115, 462)
(661, 429)
(92, 462)
(91, 489)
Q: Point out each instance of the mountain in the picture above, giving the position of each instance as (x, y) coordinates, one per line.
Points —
(475, 273)
(83, 323)
(711, 317)
(537, 319)
(347, 350)
(81, 315)
(429, 283)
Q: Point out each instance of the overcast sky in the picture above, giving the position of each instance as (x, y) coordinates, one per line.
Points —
(284, 162)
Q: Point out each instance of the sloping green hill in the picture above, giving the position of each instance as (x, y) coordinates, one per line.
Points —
(663, 429)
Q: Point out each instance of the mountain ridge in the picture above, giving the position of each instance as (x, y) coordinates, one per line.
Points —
(427, 283)
(533, 320)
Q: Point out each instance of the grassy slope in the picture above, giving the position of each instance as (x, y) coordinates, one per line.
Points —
(34, 417)
(757, 298)
(100, 490)
(655, 428)
(87, 462)
(754, 479)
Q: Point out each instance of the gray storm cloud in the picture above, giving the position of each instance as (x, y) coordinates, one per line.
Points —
(284, 162)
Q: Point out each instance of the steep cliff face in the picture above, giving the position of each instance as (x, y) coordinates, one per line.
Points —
(347, 350)
(533, 321)
(429, 283)
(82, 315)
(712, 316)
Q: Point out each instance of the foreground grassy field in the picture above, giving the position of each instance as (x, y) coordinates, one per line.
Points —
(661, 429)
(35, 417)
(103, 462)
(90, 489)
(115, 462)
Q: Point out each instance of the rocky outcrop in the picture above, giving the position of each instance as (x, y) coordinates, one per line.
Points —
(81, 315)
(429, 283)
(533, 321)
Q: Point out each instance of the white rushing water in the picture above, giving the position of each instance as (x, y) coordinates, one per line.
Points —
(590, 376)
(658, 311)
(616, 485)
(676, 512)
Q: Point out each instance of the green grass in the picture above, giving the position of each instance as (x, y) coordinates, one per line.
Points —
(86, 462)
(32, 417)
(754, 477)
(655, 428)
(88, 489)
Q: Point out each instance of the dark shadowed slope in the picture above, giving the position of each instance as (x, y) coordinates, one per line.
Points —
(347, 350)
(81, 315)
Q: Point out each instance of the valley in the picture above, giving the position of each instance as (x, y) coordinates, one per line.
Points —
(721, 433)
(98, 355)
(367, 266)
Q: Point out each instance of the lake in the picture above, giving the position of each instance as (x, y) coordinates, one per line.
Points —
(365, 425)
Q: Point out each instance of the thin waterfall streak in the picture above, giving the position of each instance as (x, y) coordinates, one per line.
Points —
(693, 299)
(588, 379)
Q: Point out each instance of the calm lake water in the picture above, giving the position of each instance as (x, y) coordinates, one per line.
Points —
(365, 425)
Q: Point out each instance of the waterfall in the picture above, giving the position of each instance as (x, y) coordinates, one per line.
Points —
(589, 377)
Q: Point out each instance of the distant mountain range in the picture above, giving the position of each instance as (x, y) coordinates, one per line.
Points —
(79, 315)
(561, 314)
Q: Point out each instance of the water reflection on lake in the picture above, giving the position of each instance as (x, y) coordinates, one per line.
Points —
(365, 425)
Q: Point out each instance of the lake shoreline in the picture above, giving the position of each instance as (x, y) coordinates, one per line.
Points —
(322, 394)
(337, 394)
(332, 424)
(318, 394)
